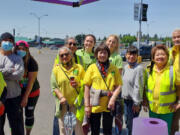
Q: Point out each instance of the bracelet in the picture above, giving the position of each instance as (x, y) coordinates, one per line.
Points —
(61, 98)
(87, 105)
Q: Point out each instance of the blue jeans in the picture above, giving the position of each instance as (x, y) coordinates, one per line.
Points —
(129, 114)
(55, 126)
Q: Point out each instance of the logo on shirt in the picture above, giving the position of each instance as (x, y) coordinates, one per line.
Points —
(75, 72)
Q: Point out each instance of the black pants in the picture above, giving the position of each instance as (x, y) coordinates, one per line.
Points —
(29, 111)
(95, 121)
(15, 116)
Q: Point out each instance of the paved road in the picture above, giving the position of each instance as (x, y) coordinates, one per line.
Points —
(45, 107)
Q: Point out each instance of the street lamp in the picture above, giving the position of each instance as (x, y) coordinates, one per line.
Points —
(39, 24)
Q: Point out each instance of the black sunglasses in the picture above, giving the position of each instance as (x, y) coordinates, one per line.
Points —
(74, 44)
(65, 54)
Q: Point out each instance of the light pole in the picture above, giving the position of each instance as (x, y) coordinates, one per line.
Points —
(39, 23)
(140, 19)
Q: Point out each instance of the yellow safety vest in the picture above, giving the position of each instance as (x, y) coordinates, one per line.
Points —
(2, 84)
(167, 91)
(79, 103)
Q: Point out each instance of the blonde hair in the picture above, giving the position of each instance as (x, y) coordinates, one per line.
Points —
(117, 41)
(176, 30)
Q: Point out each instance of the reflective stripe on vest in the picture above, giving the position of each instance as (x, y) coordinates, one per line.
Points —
(169, 95)
(171, 83)
(164, 93)
(163, 104)
(80, 60)
(171, 77)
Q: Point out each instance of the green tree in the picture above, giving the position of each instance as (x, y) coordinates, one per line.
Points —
(128, 39)
(80, 38)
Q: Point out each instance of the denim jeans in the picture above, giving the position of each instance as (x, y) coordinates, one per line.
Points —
(129, 114)
(55, 126)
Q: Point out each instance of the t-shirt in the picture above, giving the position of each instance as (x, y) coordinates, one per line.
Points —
(116, 59)
(60, 81)
(133, 83)
(94, 79)
(32, 67)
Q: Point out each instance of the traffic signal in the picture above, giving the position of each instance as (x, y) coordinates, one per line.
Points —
(144, 12)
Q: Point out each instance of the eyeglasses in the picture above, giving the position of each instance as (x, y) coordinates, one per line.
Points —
(74, 44)
(65, 54)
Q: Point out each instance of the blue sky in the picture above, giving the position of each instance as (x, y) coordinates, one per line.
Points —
(101, 18)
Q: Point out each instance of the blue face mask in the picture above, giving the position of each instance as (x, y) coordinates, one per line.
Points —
(6, 45)
(132, 64)
(21, 53)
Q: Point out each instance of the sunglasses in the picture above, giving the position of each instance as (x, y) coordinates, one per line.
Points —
(74, 44)
(65, 54)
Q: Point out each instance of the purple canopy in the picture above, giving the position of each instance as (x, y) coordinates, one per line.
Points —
(68, 3)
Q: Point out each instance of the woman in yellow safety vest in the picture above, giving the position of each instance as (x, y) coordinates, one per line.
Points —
(86, 53)
(65, 83)
(160, 86)
(102, 86)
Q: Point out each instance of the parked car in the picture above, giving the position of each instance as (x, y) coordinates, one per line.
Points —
(52, 47)
(123, 55)
(145, 52)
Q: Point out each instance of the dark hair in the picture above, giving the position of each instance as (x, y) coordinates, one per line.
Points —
(159, 47)
(26, 58)
(5, 36)
(132, 50)
(91, 35)
(153, 51)
(101, 47)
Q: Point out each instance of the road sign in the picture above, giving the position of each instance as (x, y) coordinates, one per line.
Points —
(137, 11)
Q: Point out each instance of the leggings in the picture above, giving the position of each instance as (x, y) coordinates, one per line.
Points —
(29, 111)
(14, 114)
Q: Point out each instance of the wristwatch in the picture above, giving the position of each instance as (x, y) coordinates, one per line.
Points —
(178, 101)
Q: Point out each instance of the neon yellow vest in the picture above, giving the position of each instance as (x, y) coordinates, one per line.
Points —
(79, 104)
(2, 84)
(167, 91)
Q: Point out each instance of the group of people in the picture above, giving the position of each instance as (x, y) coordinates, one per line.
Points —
(111, 90)
(91, 83)
(19, 87)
